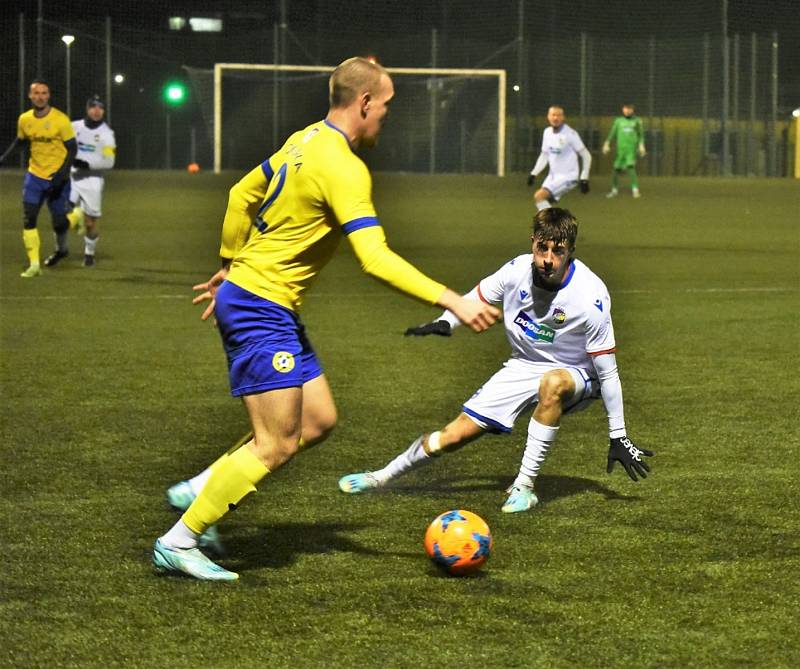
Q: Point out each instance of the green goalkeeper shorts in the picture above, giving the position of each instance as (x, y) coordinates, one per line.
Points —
(625, 159)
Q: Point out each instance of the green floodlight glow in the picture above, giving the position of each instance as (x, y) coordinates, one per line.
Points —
(175, 94)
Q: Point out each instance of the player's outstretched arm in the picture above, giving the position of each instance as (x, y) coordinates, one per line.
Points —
(621, 449)
(444, 324)
(475, 314)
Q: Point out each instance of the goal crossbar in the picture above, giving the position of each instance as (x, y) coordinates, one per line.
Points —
(428, 71)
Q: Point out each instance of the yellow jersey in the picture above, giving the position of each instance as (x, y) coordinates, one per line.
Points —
(46, 136)
(286, 218)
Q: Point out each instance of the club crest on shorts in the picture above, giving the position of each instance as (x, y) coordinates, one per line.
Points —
(283, 362)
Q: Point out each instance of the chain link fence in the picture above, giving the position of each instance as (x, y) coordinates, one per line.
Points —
(714, 83)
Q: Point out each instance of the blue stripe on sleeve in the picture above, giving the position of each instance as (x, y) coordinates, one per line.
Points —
(267, 169)
(358, 223)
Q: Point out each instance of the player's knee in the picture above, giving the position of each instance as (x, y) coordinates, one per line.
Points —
(276, 451)
(320, 428)
(554, 387)
(60, 223)
(30, 213)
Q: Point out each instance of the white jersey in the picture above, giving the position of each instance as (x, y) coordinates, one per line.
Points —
(562, 327)
(97, 146)
(562, 149)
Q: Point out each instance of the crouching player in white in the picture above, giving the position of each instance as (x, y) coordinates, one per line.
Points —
(557, 316)
(561, 146)
(97, 149)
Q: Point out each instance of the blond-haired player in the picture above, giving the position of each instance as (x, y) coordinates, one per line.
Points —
(283, 223)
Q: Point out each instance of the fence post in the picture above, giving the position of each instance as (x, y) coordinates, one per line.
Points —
(108, 70)
(651, 102)
(752, 160)
(773, 141)
(432, 84)
(706, 139)
(737, 135)
(726, 94)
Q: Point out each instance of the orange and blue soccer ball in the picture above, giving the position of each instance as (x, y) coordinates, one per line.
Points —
(459, 542)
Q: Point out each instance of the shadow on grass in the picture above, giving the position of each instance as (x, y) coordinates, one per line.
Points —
(280, 545)
(548, 487)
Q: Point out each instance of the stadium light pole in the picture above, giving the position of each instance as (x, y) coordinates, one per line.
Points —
(174, 96)
(68, 40)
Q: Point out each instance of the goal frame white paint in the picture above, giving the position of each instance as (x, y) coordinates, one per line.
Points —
(219, 68)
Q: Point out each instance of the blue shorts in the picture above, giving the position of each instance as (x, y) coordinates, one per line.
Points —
(36, 190)
(266, 343)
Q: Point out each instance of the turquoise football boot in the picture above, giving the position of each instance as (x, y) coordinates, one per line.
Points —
(189, 561)
(355, 483)
(180, 496)
(520, 499)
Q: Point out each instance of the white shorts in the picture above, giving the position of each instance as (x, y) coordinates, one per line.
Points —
(89, 192)
(515, 388)
(558, 186)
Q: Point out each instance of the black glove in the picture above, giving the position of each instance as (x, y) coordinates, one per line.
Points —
(57, 179)
(530, 179)
(584, 186)
(81, 164)
(624, 451)
(441, 328)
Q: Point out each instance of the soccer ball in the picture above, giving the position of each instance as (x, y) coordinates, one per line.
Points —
(458, 541)
(194, 168)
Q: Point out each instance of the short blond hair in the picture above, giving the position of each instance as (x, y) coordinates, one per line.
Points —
(353, 77)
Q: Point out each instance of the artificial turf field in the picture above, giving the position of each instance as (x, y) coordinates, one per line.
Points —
(112, 389)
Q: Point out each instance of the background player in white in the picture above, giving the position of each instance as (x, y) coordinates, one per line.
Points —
(557, 316)
(561, 146)
(97, 149)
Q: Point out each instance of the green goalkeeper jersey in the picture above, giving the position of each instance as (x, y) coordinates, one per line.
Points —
(628, 133)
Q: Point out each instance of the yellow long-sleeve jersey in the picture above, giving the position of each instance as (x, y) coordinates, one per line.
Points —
(286, 217)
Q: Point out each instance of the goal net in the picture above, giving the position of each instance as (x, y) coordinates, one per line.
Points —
(442, 120)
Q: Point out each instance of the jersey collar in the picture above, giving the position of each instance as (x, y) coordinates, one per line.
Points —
(339, 130)
(570, 274)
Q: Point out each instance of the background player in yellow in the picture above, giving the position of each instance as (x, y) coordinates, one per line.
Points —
(283, 223)
(49, 133)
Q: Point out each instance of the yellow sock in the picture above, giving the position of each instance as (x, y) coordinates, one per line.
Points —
(233, 477)
(72, 217)
(31, 240)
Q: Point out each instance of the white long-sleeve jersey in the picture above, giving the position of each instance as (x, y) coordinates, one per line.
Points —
(97, 146)
(561, 150)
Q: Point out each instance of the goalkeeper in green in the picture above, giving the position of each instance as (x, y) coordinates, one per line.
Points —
(628, 133)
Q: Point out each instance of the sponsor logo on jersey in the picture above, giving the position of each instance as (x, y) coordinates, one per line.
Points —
(283, 362)
(559, 316)
(533, 329)
(523, 294)
(599, 304)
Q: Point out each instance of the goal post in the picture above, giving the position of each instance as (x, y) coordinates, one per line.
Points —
(458, 124)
